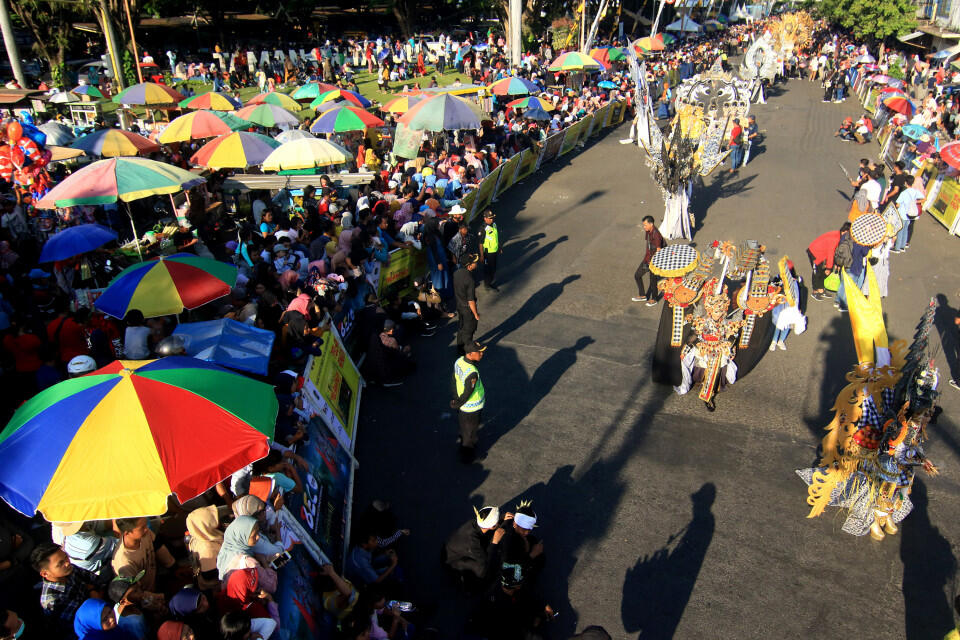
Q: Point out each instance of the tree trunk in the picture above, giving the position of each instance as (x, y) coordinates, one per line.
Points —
(405, 11)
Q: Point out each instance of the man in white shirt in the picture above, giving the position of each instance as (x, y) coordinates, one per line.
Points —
(873, 190)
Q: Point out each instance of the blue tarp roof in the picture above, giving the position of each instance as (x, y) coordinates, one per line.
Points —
(229, 343)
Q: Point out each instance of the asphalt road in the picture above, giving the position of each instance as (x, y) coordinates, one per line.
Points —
(661, 520)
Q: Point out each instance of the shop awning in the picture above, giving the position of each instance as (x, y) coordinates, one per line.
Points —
(910, 36)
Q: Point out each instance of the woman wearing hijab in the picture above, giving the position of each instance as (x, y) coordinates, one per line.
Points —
(205, 541)
(250, 505)
(96, 620)
(191, 606)
(243, 592)
(171, 630)
(237, 552)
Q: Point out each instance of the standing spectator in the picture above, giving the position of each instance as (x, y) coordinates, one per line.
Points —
(821, 253)
(736, 145)
(139, 551)
(654, 243)
(465, 293)
(64, 587)
(752, 136)
(906, 204)
(470, 399)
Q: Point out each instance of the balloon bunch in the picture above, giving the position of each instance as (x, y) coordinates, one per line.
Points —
(23, 158)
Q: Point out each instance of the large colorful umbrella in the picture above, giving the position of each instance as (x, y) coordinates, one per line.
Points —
(311, 90)
(575, 61)
(123, 179)
(914, 131)
(148, 93)
(340, 94)
(73, 241)
(110, 143)
(308, 153)
(900, 104)
(293, 134)
(268, 116)
(275, 98)
(212, 100)
(341, 119)
(88, 90)
(64, 97)
(950, 153)
(880, 78)
(443, 113)
(237, 150)
(57, 133)
(530, 102)
(536, 113)
(402, 104)
(650, 44)
(167, 285)
(513, 86)
(197, 125)
(117, 442)
(606, 55)
(713, 25)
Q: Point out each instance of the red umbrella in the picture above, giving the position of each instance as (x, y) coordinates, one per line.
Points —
(900, 104)
(950, 153)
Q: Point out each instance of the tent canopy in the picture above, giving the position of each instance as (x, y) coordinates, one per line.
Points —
(683, 24)
(228, 343)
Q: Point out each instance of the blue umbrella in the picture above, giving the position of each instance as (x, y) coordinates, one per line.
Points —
(383, 54)
(76, 240)
(945, 53)
(606, 84)
(536, 113)
(914, 131)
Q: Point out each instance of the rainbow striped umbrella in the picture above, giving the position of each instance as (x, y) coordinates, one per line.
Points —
(341, 119)
(606, 55)
(307, 153)
(531, 102)
(311, 90)
(443, 113)
(268, 115)
(148, 93)
(88, 90)
(117, 442)
(900, 104)
(656, 42)
(124, 179)
(237, 150)
(167, 285)
(201, 124)
(212, 100)
(275, 98)
(575, 61)
(111, 143)
(402, 104)
(513, 86)
(340, 94)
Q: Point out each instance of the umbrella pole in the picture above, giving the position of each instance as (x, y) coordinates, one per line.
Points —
(133, 226)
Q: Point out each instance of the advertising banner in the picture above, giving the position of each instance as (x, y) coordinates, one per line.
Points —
(572, 136)
(946, 205)
(406, 142)
(405, 265)
(551, 148)
(467, 202)
(528, 163)
(331, 388)
(600, 118)
(508, 173)
(314, 527)
(486, 189)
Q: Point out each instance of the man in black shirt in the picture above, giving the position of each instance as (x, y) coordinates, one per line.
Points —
(465, 292)
(898, 182)
(184, 240)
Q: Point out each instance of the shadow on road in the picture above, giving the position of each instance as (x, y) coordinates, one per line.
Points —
(928, 568)
(839, 356)
(534, 306)
(656, 591)
(723, 186)
(949, 334)
(516, 396)
(532, 259)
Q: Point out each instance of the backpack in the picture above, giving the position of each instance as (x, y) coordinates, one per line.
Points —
(843, 256)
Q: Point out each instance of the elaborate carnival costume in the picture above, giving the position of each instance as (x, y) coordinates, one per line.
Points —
(764, 59)
(712, 344)
(875, 442)
(706, 105)
(23, 159)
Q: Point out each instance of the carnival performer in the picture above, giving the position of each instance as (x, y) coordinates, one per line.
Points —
(471, 552)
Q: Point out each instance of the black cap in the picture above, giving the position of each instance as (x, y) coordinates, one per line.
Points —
(474, 347)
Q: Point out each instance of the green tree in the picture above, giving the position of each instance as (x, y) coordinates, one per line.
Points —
(873, 20)
(51, 25)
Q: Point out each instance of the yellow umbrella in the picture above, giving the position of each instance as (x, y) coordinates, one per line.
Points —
(306, 153)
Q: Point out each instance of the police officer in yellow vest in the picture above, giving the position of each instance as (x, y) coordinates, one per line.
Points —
(470, 398)
(489, 247)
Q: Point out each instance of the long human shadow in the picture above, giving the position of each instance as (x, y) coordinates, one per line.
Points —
(583, 505)
(520, 268)
(928, 568)
(516, 396)
(535, 304)
(723, 186)
(944, 322)
(839, 357)
(656, 591)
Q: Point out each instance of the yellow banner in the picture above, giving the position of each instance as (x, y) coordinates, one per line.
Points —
(467, 203)
(571, 136)
(332, 388)
(485, 191)
(507, 174)
(600, 118)
(528, 163)
(405, 265)
(617, 112)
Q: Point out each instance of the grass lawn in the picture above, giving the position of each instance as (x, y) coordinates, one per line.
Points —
(367, 82)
